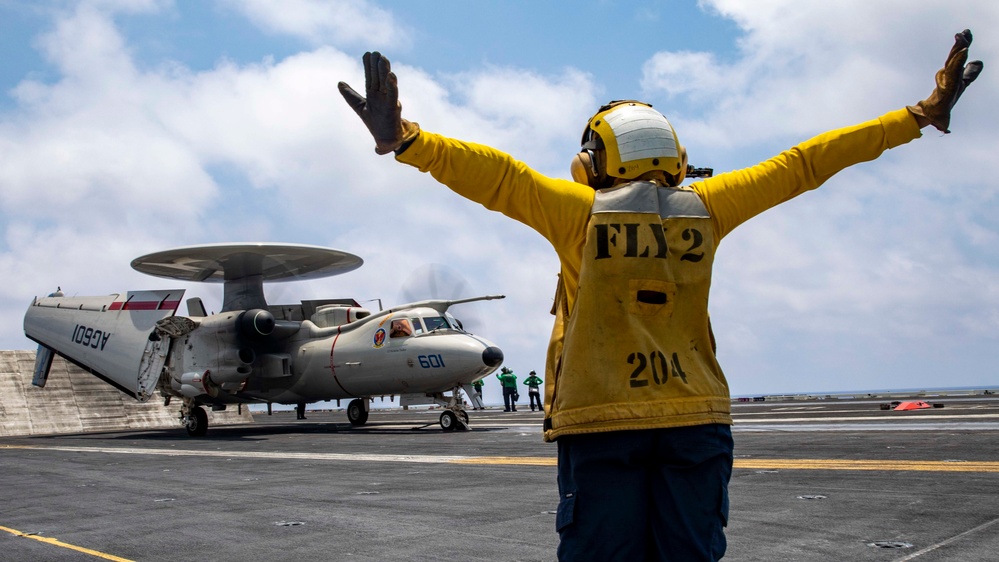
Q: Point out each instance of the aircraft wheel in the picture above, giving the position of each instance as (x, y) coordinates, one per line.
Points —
(463, 415)
(197, 422)
(356, 412)
(449, 421)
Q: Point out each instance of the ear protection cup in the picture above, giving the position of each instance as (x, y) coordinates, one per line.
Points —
(583, 170)
(679, 176)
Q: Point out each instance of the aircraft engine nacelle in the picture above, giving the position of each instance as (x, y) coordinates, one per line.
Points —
(220, 352)
(255, 324)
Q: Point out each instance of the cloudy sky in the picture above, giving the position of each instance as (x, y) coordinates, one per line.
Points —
(133, 126)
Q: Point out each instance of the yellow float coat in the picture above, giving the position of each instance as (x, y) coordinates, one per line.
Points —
(651, 310)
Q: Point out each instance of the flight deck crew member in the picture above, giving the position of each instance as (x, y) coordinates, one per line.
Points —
(476, 395)
(635, 398)
(509, 382)
(533, 392)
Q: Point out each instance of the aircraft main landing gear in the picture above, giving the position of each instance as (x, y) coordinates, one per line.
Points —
(196, 421)
(357, 411)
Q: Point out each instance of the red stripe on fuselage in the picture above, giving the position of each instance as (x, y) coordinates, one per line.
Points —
(333, 369)
(332, 347)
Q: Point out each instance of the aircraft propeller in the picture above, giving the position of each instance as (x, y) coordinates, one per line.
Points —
(438, 281)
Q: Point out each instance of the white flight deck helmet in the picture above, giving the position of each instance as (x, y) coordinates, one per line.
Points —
(626, 139)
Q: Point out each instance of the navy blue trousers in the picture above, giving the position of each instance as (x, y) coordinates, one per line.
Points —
(535, 397)
(508, 401)
(655, 494)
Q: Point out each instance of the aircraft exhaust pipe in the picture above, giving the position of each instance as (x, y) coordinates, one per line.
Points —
(238, 357)
(235, 366)
(492, 356)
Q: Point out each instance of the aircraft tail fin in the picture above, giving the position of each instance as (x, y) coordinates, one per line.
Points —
(195, 307)
(110, 336)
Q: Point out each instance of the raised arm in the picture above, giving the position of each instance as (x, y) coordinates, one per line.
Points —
(951, 80)
(734, 197)
(380, 109)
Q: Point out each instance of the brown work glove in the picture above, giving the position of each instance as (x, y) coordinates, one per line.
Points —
(381, 111)
(952, 79)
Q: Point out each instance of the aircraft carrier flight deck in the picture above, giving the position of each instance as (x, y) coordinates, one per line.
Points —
(834, 479)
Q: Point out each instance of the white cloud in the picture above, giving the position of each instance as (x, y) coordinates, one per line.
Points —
(88, 145)
(801, 71)
(111, 161)
(327, 22)
(884, 266)
(887, 261)
(688, 73)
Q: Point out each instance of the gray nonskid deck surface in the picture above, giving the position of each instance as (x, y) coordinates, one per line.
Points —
(817, 480)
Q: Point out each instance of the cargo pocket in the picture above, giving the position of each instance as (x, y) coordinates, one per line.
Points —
(651, 297)
(719, 544)
(566, 510)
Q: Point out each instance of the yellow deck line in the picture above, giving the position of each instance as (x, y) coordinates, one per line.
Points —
(888, 420)
(758, 464)
(888, 465)
(59, 543)
(787, 464)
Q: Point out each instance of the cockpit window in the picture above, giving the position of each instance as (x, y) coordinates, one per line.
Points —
(446, 322)
(401, 328)
(455, 323)
(417, 326)
(436, 323)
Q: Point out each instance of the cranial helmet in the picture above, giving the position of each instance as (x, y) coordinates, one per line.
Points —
(626, 139)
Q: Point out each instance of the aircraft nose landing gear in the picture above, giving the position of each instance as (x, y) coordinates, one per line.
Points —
(454, 419)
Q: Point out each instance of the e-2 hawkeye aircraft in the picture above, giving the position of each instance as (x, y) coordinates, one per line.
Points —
(252, 352)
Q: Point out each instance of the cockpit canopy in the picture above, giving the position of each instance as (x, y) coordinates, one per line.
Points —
(423, 322)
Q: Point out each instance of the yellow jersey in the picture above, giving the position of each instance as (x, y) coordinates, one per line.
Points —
(631, 347)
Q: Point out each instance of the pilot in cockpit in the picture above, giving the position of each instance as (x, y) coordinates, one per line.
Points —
(401, 328)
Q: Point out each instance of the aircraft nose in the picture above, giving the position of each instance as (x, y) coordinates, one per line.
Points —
(492, 356)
